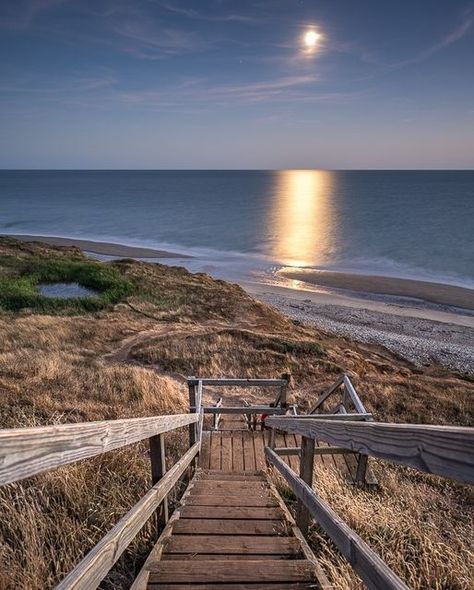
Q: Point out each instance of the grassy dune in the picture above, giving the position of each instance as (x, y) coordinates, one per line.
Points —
(128, 357)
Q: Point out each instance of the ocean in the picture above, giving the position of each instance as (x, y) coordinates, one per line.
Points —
(409, 224)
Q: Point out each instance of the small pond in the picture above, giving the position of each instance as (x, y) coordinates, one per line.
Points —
(65, 290)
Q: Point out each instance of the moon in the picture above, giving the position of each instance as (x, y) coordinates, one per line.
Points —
(311, 38)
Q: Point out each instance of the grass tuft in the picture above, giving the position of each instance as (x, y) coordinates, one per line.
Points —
(19, 285)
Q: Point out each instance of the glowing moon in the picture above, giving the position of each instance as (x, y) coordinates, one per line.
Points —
(311, 38)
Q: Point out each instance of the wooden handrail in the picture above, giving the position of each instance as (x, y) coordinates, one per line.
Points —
(370, 567)
(359, 406)
(240, 382)
(27, 451)
(243, 410)
(338, 417)
(440, 450)
(97, 563)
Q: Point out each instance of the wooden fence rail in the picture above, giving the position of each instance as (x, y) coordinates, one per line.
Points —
(27, 451)
(95, 566)
(370, 567)
(240, 382)
(440, 450)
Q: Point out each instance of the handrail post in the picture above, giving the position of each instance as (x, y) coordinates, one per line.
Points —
(158, 469)
(306, 474)
(192, 387)
(283, 389)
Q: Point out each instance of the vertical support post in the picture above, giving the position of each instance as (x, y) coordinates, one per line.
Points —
(306, 474)
(361, 470)
(283, 390)
(271, 442)
(192, 386)
(158, 469)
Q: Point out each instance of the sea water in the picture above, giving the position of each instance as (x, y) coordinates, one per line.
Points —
(413, 224)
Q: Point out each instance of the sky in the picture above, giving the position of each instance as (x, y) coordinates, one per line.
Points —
(152, 84)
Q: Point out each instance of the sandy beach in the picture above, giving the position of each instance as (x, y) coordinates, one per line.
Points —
(423, 336)
(102, 248)
(440, 294)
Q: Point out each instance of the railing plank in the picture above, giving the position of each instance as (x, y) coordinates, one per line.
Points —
(359, 406)
(94, 567)
(355, 416)
(441, 450)
(241, 382)
(243, 410)
(27, 451)
(370, 567)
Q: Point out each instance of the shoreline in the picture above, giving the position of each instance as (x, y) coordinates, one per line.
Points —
(409, 327)
(102, 248)
(352, 284)
(420, 336)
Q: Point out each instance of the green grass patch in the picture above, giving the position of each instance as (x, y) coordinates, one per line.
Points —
(19, 285)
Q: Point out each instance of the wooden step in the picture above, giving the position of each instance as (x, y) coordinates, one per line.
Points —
(241, 586)
(230, 512)
(201, 526)
(231, 500)
(233, 545)
(230, 571)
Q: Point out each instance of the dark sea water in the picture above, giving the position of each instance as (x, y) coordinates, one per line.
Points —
(413, 224)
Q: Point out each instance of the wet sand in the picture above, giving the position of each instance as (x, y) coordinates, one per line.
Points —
(438, 293)
(103, 248)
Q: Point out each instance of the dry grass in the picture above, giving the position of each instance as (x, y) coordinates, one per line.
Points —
(122, 362)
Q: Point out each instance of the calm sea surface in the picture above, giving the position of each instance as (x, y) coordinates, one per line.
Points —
(397, 223)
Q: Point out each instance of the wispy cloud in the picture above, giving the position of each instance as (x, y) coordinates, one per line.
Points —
(151, 40)
(452, 37)
(199, 95)
(191, 13)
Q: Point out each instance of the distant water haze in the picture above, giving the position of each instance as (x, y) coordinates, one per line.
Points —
(413, 224)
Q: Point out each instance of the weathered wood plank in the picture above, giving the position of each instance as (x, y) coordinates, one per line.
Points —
(228, 500)
(373, 571)
(259, 445)
(306, 474)
(224, 487)
(230, 476)
(237, 586)
(201, 526)
(230, 512)
(229, 571)
(359, 406)
(27, 451)
(249, 452)
(242, 382)
(215, 450)
(243, 410)
(94, 567)
(219, 545)
(237, 451)
(204, 454)
(349, 417)
(158, 469)
(441, 450)
(226, 451)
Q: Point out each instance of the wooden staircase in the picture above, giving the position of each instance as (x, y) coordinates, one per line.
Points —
(231, 531)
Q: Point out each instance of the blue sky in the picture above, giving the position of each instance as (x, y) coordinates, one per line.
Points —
(231, 84)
